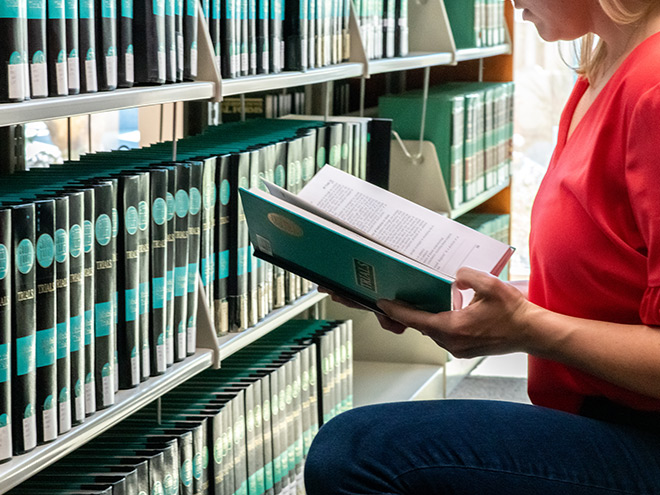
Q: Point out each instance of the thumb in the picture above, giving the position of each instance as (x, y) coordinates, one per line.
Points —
(477, 280)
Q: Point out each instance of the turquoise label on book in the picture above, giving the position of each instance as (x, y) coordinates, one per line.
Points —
(195, 201)
(89, 236)
(89, 326)
(186, 474)
(158, 289)
(75, 241)
(144, 298)
(192, 277)
(86, 9)
(61, 245)
(180, 281)
(4, 261)
(45, 250)
(104, 319)
(131, 220)
(197, 466)
(45, 347)
(4, 363)
(131, 296)
(71, 9)
(179, 7)
(108, 8)
(170, 206)
(191, 8)
(320, 157)
(127, 8)
(143, 215)
(204, 273)
(49, 402)
(64, 395)
(36, 9)
(229, 10)
(169, 7)
(115, 213)
(159, 211)
(55, 9)
(159, 7)
(62, 340)
(223, 264)
(103, 230)
(168, 485)
(280, 176)
(224, 192)
(170, 285)
(11, 9)
(182, 203)
(242, 261)
(76, 329)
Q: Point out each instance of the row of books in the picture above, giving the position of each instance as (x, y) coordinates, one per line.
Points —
(85, 46)
(497, 226)
(269, 105)
(383, 27)
(471, 126)
(99, 261)
(477, 23)
(243, 429)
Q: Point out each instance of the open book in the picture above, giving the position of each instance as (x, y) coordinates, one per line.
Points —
(366, 243)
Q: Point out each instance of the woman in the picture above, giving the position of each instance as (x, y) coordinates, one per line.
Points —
(591, 322)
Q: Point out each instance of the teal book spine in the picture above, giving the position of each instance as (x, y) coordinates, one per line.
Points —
(14, 77)
(6, 265)
(125, 47)
(87, 52)
(194, 246)
(144, 274)
(58, 81)
(106, 43)
(182, 206)
(37, 48)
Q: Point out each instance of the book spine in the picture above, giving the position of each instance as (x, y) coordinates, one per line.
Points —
(239, 245)
(149, 41)
(228, 45)
(252, 36)
(279, 179)
(276, 41)
(170, 263)
(58, 84)
(36, 31)
(87, 38)
(178, 26)
(126, 53)
(6, 447)
(221, 242)
(105, 288)
(23, 339)
(77, 306)
(72, 46)
(457, 151)
(158, 271)
(63, 314)
(401, 37)
(295, 35)
(14, 80)
(89, 256)
(243, 37)
(255, 282)
(106, 43)
(194, 239)
(170, 40)
(128, 309)
(207, 254)
(46, 337)
(190, 41)
(143, 237)
(263, 37)
(293, 178)
(215, 33)
(182, 206)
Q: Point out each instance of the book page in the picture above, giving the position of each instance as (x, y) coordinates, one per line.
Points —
(421, 234)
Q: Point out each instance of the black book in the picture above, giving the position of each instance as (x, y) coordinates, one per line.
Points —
(105, 288)
(276, 35)
(178, 27)
(14, 80)
(170, 40)
(181, 256)
(214, 22)
(126, 52)
(263, 37)
(295, 35)
(229, 44)
(149, 41)
(252, 36)
(37, 42)
(89, 282)
(87, 44)
(5, 333)
(190, 41)
(23, 340)
(63, 313)
(242, 33)
(106, 43)
(158, 270)
(207, 248)
(58, 80)
(401, 32)
(46, 336)
(279, 177)
(77, 304)
(128, 309)
(221, 245)
(255, 282)
(239, 174)
(72, 45)
(116, 483)
(378, 152)
(143, 234)
(194, 239)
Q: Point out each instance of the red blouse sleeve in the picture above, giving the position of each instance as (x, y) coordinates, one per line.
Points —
(643, 181)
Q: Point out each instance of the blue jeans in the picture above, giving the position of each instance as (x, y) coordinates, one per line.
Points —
(467, 447)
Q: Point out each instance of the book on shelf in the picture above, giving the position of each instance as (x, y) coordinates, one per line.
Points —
(365, 242)
(5, 334)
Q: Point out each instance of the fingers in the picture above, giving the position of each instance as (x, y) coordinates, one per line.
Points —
(409, 316)
(479, 281)
(390, 325)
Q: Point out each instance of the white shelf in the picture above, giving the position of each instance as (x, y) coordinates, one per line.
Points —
(477, 53)
(234, 342)
(376, 382)
(411, 61)
(22, 467)
(290, 79)
(476, 201)
(68, 106)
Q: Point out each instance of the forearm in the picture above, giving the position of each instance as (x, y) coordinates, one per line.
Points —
(625, 355)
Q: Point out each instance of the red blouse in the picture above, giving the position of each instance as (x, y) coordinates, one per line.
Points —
(595, 237)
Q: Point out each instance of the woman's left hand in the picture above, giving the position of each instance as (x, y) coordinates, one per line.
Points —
(493, 323)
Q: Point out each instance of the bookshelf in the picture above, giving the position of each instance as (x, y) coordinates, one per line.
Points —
(431, 46)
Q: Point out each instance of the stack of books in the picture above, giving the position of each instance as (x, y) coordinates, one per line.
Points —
(245, 428)
(268, 105)
(383, 27)
(471, 126)
(477, 23)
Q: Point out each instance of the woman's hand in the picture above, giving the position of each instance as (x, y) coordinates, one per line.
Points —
(493, 323)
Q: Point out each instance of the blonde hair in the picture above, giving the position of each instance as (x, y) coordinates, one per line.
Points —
(593, 51)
